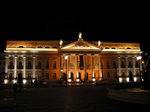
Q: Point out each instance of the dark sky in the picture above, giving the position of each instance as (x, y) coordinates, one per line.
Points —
(96, 24)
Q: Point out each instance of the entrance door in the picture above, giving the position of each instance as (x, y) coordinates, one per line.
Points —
(20, 78)
(130, 76)
(86, 77)
(79, 75)
(72, 76)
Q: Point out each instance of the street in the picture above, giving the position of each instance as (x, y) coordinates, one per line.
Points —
(61, 99)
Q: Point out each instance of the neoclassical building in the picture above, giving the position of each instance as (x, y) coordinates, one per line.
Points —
(81, 60)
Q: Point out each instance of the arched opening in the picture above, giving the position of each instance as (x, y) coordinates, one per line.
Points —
(20, 66)
(20, 78)
(79, 76)
(130, 76)
(10, 77)
(29, 65)
(86, 77)
(39, 65)
(11, 65)
(72, 76)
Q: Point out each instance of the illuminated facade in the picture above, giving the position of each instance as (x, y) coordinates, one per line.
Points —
(81, 60)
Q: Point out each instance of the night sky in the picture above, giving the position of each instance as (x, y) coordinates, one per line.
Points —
(95, 24)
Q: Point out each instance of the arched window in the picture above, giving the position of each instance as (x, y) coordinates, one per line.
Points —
(20, 66)
(130, 64)
(114, 64)
(136, 64)
(54, 65)
(29, 65)
(108, 64)
(122, 64)
(11, 65)
(39, 65)
(47, 65)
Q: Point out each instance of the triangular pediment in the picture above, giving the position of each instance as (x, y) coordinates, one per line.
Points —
(80, 45)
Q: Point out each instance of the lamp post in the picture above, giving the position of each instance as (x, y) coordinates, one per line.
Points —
(66, 58)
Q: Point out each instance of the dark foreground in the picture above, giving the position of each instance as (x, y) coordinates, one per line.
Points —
(61, 99)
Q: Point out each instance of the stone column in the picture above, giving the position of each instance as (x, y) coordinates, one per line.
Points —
(6, 64)
(119, 66)
(92, 66)
(34, 67)
(15, 67)
(100, 74)
(127, 72)
(68, 71)
(60, 65)
(133, 61)
(62, 62)
(76, 61)
(24, 67)
(84, 66)
(141, 67)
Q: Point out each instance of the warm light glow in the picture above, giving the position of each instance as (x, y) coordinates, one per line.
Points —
(33, 80)
(66, 57)
(127, 79)
(61, 70)
(93, 75)
(135, 79)
(122, 50)
(29, 49)
(77, 80)
(69, 76)
(120, 80)
(77, 75)
(5, 81)
(24, 81)
(14, 81)
(69, 80)
(93, 79)
(139, 57)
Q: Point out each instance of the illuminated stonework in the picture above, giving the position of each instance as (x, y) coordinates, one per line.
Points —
(86, 60)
